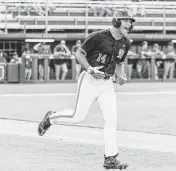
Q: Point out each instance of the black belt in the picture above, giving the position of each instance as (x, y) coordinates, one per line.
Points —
(107, 76)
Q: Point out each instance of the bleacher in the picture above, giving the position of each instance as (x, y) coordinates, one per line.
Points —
(75, 20)
(76, 15)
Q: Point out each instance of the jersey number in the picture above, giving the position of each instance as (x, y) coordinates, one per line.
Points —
(121, 53)
(101, 58)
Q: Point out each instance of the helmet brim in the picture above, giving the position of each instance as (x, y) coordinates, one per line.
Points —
(132, 19)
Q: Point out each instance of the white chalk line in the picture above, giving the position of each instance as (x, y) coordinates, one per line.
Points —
(74, 94)
(30, 130)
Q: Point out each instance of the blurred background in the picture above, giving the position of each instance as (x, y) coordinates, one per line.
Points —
(32, 32)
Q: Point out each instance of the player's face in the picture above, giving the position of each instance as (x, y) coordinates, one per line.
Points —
(145, 46)
(125, 26)
(78, 44)
(155, 47)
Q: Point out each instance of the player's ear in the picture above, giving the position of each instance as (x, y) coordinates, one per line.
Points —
(132, 27)
(116, 22)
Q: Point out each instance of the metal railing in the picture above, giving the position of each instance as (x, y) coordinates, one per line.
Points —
(163, 21)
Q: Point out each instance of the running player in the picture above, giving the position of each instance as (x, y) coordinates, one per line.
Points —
(99, 55)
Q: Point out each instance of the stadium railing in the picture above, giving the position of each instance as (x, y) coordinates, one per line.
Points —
(159, 15)
(7, 75)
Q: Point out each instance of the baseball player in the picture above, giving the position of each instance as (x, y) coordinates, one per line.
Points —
(99, 55)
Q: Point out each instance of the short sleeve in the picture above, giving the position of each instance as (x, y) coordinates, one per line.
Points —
(89, 44)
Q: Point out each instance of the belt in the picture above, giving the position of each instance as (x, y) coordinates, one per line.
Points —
(107, 77)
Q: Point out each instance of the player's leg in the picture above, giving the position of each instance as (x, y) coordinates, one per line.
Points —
(57, 71)
(26, 73)
(29, 73)
(149, 69)
(64, 71)
(107, 102)
(85, 96)
(139, 68)
(156, 71)
(129, 69)
(41, 72)
(172, 68)
(78, 70)
(166, 69)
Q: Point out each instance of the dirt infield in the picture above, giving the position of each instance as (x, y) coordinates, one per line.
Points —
(142, 107)
(62, 149)
(71, 87)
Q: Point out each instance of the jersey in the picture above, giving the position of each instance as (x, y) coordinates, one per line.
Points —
(58, 61)
(101, 49)
(28, 62)
(170, 55)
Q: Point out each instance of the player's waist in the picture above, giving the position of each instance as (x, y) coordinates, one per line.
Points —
(107, 76)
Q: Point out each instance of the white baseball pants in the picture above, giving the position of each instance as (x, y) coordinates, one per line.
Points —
(89, 90)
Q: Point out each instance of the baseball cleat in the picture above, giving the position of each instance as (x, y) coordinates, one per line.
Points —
(44, 124)
(112, 163)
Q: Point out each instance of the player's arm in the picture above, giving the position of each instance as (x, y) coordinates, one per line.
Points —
(36, 46)
(120, 68)
(73, 51)
(67, 53)
(57, 50)
(81, 56)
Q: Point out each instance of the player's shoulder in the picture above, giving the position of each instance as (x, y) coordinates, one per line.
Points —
(127, 41)
(98, 33)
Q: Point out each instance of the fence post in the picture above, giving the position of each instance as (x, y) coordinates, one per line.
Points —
(153, 68)
(73, 63)
(34, 67)
(46, 75)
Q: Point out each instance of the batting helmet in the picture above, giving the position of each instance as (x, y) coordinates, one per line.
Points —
(122, 14)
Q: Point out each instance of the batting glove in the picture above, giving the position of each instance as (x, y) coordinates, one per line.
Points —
(94, 71)
(122, 80)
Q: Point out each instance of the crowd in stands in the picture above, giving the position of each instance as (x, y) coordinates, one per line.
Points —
(40, 8)
(148, 60)
(58, 59)
(165, 57)
(103, 11)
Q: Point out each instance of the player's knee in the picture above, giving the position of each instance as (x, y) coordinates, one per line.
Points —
(64, 70)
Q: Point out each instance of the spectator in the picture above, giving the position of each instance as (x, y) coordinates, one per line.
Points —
(78, 66)
(15, 59)
(2, 57)
(169, 62)
(98, 9)
(130, 56)
(39, 49)
(28, 65)
(139, 9)
(156, 53)
(61, 52)
(143, 63)
(24, 53)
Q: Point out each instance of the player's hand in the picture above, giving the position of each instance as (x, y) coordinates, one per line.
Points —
(94, 71)
(122, 80)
